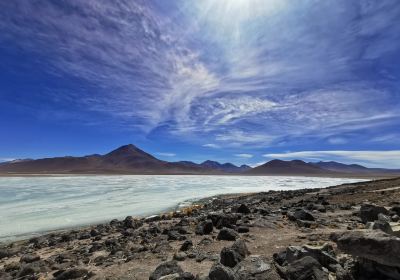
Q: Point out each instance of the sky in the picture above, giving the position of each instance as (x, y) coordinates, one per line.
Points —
(243, 81)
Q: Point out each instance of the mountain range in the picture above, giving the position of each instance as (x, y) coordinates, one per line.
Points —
(129, 159)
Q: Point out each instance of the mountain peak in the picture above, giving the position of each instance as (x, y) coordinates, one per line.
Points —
(129, 153)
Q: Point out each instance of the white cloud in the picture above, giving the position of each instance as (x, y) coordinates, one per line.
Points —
(337, 140)
(212, 145)
(388, 159)
(166, 154)
(239, 137)
(244, 155)
(212, 78)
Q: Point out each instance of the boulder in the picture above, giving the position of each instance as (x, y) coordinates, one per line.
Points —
(205, 227)
(323, 254)
(370, 212)
(29, 258)
(300, 214)
(4, 253)
(243, 209)
(231, 256)
(26, 270)
(255, 267)
(371, 245)
(243, 229)
(304, 269)
(227, 234)
(174, 235)
(380, 225)
(221, 220)
(166, 268)
(220, 272)
(396, 209)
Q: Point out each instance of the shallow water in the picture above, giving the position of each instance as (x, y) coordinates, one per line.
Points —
(30, 205)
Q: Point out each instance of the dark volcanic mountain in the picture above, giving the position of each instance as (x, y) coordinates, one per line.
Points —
(352, 168)
(293, 167)
(127, 159)
(225, 167)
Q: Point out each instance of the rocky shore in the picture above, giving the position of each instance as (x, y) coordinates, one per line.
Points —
(344, 232)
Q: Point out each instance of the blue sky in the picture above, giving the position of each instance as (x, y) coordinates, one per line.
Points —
(231, 80)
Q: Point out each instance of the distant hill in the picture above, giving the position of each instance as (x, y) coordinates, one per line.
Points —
(293, 167)
(353, 168)
(225, 167)
(129, 159)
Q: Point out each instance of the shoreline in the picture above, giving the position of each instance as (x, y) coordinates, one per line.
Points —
(265, 221)
(341, 175)
(5, 240)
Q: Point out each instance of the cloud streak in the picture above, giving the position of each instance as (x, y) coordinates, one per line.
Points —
(200, 77)
(244, 155)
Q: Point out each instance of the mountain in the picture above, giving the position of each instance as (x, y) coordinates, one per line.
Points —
(225, 167)
(293, 167)
(322, 168)
(127, 159)
(352, 168)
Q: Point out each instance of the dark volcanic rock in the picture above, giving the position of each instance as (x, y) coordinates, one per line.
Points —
(4, 253)
(174, 235)
(186, 245)
(243, 209)
(369, 212)
(304, 269)
(220, 272)
(255, 267)
(300, 214)
(205, 227)
(227, 234)
(26, 270)
(166, 268)
(29, 258)
(396, 209)
(231, 256)
(372, 245)
(72, 273)
(243, 229)
(381, 225)
(221, 220)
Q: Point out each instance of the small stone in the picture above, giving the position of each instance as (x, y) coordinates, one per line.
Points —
(186, 245)
(181, 256)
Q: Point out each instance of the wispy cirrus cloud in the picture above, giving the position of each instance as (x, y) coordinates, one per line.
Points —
(244, 155)
(211, 145)
(389, 159)
(198, 76)
(166, 154)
